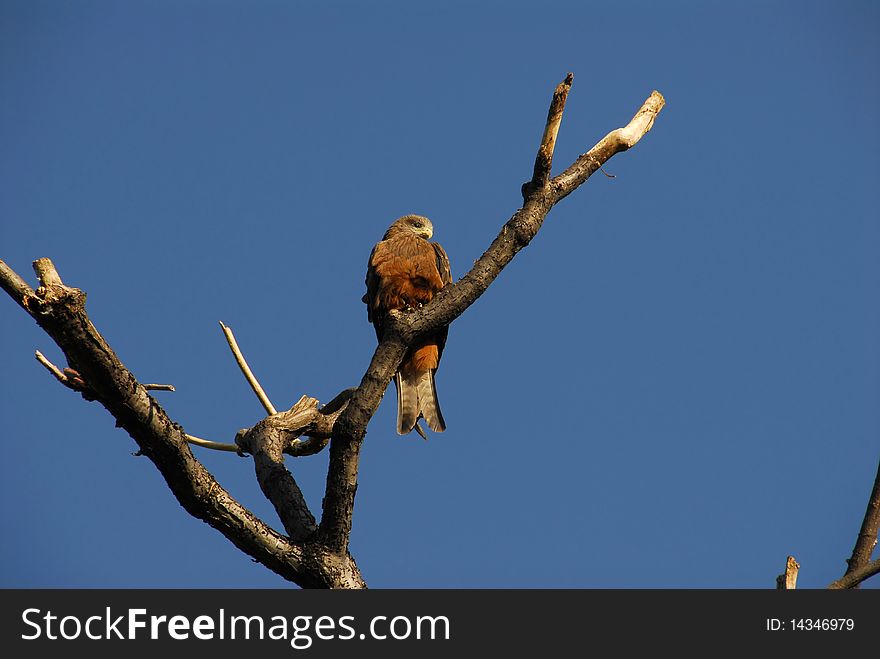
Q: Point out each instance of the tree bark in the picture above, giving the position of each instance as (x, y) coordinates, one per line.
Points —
(854, 577)
(867, 538)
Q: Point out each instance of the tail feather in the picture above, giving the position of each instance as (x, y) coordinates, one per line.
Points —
(407, 401)
(429, 406)
(417, 397)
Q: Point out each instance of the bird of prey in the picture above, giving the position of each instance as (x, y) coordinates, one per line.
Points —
(405, 271)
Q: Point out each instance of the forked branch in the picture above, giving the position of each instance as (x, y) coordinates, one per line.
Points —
(401, 331)
(59, 310)
(311, 554)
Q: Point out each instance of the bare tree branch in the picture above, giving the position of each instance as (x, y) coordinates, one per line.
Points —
(348, 434)
(266, 441)
(319, 423)
(15, 286)
(46, 273)
(319, 429)
(59, 310)
(159, 387)
(854, 578)
(304, 418)
(544, 159)
(788, 579)
(402, 329)
(54, 370)
(70, 379)
(314, 555)
(216, 446)
(867, 538)
(614, 142)
(246, 370)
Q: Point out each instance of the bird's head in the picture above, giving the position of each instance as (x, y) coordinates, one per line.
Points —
(421, 226)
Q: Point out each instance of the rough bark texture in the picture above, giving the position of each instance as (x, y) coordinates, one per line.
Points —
(60, 311)
(867, 538)
(311, 554)
(855, 577)
(266, 442)
(544, 159)
(788, 579)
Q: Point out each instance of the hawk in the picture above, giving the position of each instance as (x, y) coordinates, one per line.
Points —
(405, 271)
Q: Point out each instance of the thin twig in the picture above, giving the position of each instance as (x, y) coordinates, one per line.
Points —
(207, 443)
(67, 376)
(159, 387)
(69, 382)
(248, 374)
(54, 370)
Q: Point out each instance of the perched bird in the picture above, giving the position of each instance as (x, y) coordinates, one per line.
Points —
(405, 271)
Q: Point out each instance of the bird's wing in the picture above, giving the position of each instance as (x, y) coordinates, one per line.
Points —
(369, 298)
(446, 277)
(442, 263)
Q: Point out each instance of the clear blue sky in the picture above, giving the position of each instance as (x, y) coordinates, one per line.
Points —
(675, 385)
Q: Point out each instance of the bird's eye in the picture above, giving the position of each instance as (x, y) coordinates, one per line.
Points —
(417, 225)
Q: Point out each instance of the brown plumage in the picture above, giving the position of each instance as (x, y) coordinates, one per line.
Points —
(405, 271)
